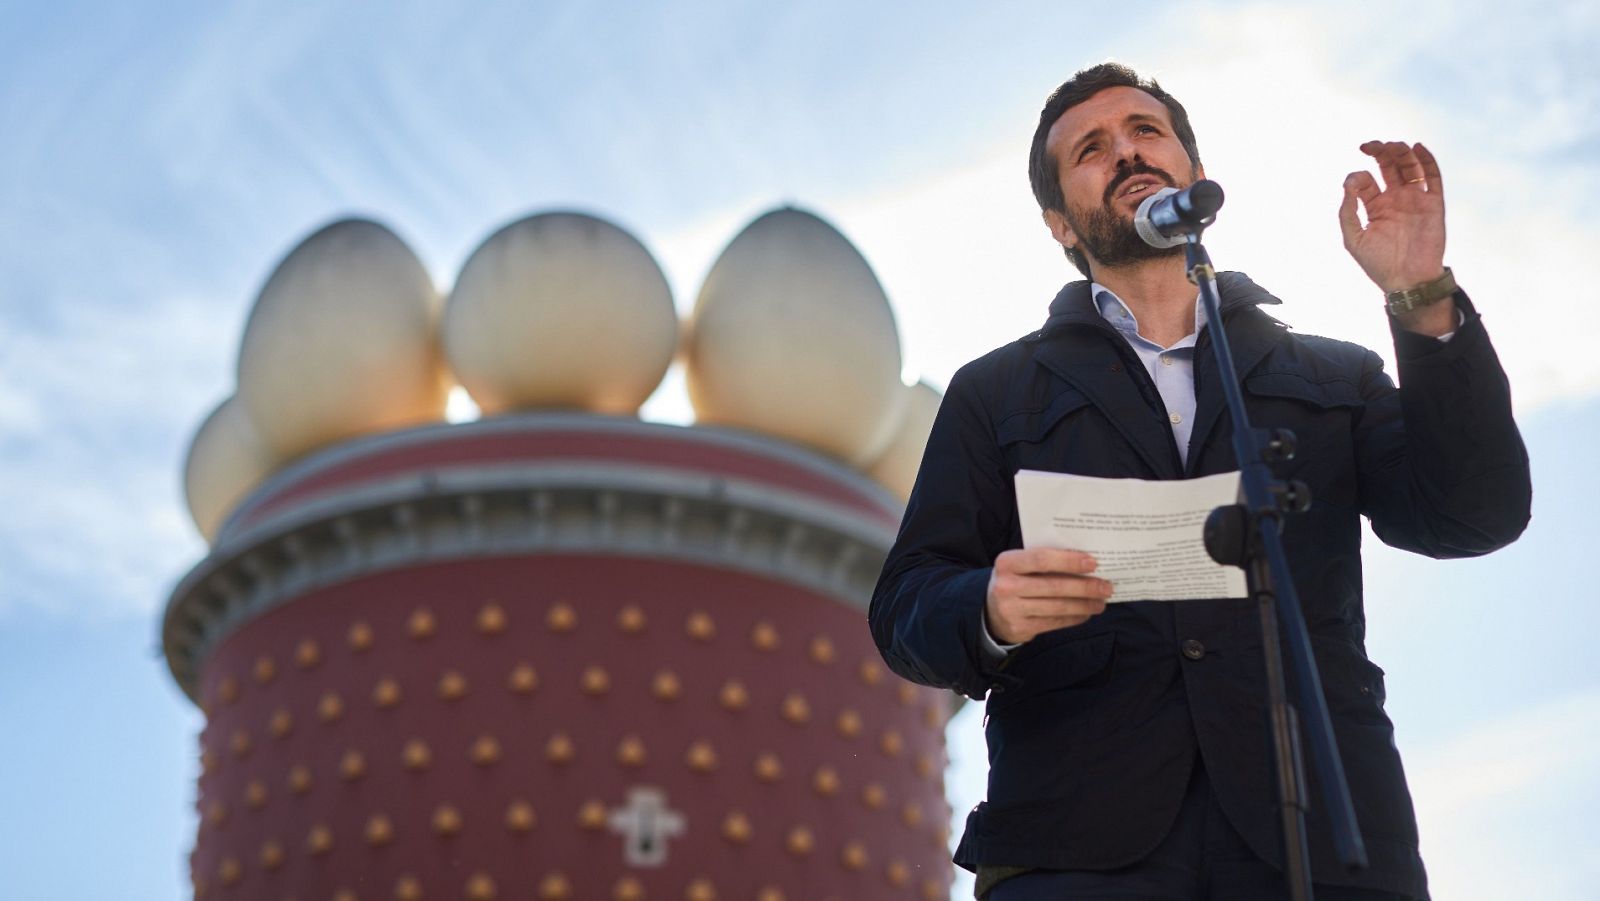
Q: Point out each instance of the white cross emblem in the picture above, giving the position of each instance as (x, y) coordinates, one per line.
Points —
(645, 824)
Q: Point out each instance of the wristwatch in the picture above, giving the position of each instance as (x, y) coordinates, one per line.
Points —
(1407, 299)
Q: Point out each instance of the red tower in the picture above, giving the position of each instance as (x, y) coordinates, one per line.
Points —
(556, 656)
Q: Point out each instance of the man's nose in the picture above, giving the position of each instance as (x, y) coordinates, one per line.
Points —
(1125, 152)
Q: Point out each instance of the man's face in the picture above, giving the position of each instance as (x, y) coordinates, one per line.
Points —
(1112, 151)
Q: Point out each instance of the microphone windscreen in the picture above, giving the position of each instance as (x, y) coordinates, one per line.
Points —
(1205, 198)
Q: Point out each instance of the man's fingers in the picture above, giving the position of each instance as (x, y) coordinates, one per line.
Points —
(1383, 153)
(1049, 586)
(1400, 163)
(1364, 186)
(1044, 586)
(1045, 560)
(1430, 170)
(1021, 606)
(1391, 164)
(1349, 222)
(1033, 590)
(1406, 161)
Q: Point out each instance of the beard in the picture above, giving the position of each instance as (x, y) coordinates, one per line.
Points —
(1107, 238)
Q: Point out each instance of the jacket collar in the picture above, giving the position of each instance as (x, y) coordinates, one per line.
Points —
(1073, 305)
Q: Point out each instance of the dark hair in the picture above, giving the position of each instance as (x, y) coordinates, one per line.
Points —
(1043, 171)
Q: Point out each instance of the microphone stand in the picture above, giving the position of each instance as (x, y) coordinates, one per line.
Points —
(1248, 534)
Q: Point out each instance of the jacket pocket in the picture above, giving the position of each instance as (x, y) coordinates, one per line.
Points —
(1323, 395)
(1033, 426)
(1323, 416)
(1351, 683)
(1063, 435)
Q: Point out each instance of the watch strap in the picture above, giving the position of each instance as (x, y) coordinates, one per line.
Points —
(1407, 299)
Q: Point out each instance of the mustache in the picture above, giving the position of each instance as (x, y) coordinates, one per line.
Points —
(1139, 168)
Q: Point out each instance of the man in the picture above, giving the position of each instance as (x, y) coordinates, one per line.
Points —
(1128, 745)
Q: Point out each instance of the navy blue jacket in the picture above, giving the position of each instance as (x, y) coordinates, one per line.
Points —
(1093, 730)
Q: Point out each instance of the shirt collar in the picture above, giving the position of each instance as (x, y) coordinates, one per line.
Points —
(1114, 311)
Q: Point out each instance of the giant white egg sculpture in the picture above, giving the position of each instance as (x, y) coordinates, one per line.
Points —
(792, 336)
(226, 459)
(560, 310)
(342, 341)
(896, 467)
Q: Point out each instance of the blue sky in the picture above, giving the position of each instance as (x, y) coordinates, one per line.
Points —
(157, 159)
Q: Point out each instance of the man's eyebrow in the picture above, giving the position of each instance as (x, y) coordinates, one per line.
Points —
(1129, 119)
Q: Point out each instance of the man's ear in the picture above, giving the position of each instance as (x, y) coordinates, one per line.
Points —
(1059, 229)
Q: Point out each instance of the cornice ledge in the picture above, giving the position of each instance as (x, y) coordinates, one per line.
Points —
(551, 507)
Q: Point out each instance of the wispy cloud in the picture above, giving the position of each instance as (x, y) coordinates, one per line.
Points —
(94, 522)
(1507, 808)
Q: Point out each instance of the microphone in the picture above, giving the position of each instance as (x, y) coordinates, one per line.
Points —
(1168, 216)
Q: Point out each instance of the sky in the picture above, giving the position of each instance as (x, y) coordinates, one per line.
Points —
(158, 159)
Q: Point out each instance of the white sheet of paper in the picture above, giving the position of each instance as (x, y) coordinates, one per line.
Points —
(1147, 536)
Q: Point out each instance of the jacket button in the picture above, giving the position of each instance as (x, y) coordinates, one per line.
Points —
(1116, 367)
(1193, 650)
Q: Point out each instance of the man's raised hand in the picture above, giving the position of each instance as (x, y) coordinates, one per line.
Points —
(1402, 243)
